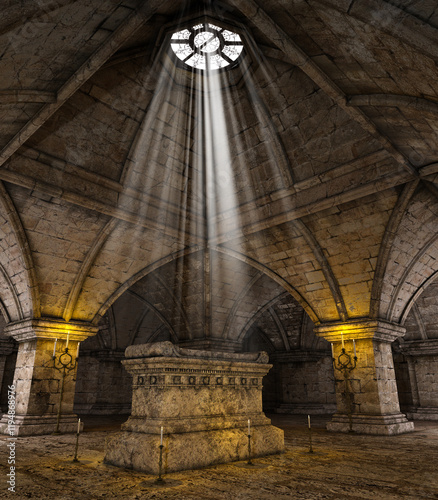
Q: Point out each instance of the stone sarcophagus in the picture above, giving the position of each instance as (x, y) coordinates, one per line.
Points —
(202, 400)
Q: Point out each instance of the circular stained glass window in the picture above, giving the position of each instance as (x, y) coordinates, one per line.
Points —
(206, 45)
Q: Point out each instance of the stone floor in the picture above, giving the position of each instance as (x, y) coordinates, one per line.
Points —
(342, 467)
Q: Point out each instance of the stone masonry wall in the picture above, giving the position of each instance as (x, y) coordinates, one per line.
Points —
(308, 384)
(426, 370)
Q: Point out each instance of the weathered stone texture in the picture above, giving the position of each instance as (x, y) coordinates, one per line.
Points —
(297, 264)
(426, 369)
(293, 169)
(411, 260)
(60, 234)
(201, 399)
(307, 386)
(351, 237)
(15, 280)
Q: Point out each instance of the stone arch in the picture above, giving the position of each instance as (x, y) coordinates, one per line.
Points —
(19, 294)
(408, 258)
(282, 282)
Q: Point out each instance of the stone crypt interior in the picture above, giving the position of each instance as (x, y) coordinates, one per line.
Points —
(219, 218)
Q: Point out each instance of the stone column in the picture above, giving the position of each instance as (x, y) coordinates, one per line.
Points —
(422, 357)
(306, 381)
(112, 375)
(40, 388)
(6, 348)
(367, 397)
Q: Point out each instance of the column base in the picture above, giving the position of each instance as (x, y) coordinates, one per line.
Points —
(110, 409)
(190, 450)
(306, 409)
(385, 425)
(424, 413)
(28, 425)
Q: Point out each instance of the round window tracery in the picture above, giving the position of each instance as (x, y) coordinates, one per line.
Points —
(206, 45)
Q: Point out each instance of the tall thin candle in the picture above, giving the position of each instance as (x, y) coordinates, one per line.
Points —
(354, 347)
(161, 437)
(249, 427)
(54, 347)
(79, 426)
(68, 335)
(342, 338)
(308, 420)
(333, 351)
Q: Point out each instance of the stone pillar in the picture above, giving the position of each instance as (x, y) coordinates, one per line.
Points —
(307, 382)
(6, 348)
(112, 375)
(203, 401)
(422, 357)
(366, 396)
(38, 381)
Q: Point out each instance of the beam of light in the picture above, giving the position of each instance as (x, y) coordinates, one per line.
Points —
(204, 153)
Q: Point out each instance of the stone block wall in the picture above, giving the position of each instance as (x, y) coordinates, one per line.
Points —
(426, 370)
(103, 386)
(307, 387)
(7, 364)
(403, 382)
(86, 383)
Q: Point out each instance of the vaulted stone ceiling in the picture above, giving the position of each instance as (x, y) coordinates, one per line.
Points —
(333, 134)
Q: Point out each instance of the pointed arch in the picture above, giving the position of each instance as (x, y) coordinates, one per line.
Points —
(274, 276)
(88, 262)
(325, 267)
(10, 213)
(386, 245)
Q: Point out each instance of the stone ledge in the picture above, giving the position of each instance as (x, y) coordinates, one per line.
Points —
(180, 425)
(306, 409)
(419, 347)
(424, 413)
(384, 425)
(169, 350)
(31, 329)
(190, 450)
(32, 425)
(360, 329)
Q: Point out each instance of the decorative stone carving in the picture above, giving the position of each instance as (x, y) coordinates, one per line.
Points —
(202, 399)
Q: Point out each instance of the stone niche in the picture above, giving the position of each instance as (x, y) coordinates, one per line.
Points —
(203, 401)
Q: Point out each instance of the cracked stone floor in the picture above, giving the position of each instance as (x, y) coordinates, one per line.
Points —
(343, 466)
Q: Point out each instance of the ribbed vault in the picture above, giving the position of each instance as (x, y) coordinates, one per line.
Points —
(331, 121)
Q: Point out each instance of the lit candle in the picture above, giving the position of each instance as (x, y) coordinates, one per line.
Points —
(68, 335)
(308, 420)
(161, 438)
(249, 427)
(354, 347)
(77, 353)
(79, 426)
(342, 338)
(333, 351)
(54, 347)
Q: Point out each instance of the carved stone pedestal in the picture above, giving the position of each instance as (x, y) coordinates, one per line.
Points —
(203, 401)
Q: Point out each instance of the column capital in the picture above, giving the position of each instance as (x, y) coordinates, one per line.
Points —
(419, 347)
(360, 329)
(47, 328)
